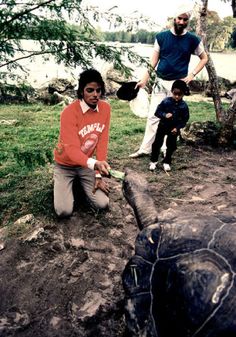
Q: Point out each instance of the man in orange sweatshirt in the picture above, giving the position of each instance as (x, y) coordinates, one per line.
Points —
(84, 131)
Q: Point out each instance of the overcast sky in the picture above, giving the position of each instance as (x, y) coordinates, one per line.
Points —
(155, 10)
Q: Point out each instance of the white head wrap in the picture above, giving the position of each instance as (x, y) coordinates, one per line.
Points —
(185, 8)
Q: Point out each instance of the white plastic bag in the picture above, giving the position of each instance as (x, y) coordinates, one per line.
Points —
(140, 105)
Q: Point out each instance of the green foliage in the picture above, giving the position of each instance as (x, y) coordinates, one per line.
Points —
(21, 91)
(218, 32)
(72, 44)
(26, 160)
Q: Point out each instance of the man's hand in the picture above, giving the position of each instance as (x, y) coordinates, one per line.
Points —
(102, 185)
(188, 78)
(102, 167)
(141, 84)
(169, 115)
(174, 131)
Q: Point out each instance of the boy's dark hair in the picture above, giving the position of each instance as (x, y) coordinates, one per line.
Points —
(88, 76)
(181, 85)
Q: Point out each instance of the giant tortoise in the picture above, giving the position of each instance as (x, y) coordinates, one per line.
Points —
(181, 280)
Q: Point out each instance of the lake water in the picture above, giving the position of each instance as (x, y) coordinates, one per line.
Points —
(40, 71)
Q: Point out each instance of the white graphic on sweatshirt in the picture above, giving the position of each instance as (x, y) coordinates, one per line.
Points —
(90, 128)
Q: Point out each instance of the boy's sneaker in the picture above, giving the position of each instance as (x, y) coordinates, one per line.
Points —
(166, 167)
(152, 166)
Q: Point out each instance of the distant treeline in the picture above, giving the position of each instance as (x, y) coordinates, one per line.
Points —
(141, 36)
(220, 35)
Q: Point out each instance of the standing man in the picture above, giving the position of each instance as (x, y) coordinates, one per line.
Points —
(84, 130)
(170, 59)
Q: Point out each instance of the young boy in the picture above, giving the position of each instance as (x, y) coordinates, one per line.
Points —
(174, 114)
(84, 130)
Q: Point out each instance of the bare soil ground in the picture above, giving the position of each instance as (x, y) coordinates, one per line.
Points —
(64, 278)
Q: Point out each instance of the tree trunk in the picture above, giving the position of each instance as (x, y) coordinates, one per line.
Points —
(225, 118)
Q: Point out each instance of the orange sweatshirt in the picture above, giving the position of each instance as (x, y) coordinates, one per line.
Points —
(82, 134)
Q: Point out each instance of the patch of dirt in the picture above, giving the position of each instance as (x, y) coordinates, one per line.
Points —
(64, 279)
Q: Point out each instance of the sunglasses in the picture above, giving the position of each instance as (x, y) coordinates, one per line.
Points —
(184, 19)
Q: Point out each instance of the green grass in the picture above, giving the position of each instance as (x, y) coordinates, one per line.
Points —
(202, 111)
(26, 152)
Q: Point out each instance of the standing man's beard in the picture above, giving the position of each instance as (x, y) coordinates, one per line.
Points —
(179, 28)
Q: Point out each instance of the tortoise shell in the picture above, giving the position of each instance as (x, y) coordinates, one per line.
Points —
(181, 280)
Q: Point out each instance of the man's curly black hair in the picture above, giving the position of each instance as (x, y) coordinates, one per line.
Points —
(88, 76)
